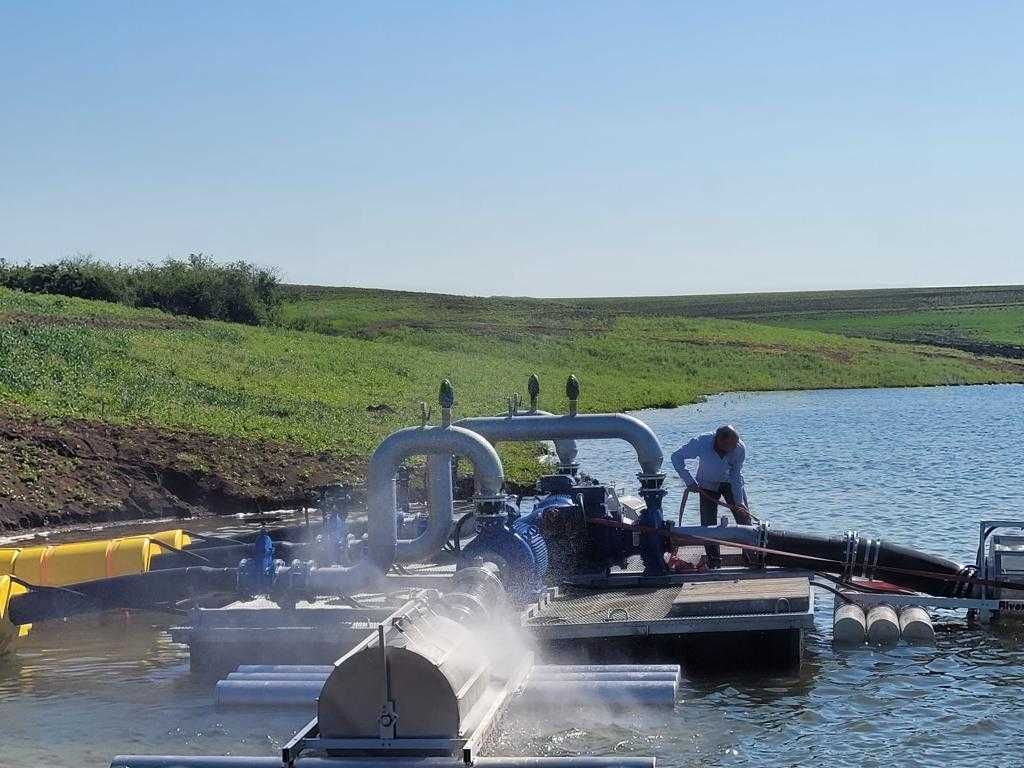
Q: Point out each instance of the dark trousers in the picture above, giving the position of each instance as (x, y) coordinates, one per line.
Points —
(709, 516)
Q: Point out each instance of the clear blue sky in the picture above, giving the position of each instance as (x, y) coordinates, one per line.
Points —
(522, 148)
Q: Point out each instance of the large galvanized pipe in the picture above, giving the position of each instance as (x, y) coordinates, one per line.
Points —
(538, 669)
(565, 448)
(611, 693)
(440, 470)
(383, 467)
(589, 426)
(191, 761)
(384, 463)
(440, 513)
(382, 529)
(555, 668)
(603, 676)
(267, 693)
(325, 668)
(283, 676)
(569, 676)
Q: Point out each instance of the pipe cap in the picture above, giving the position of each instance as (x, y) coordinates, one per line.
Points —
(572, 388)
(533, 386)
(446, 395)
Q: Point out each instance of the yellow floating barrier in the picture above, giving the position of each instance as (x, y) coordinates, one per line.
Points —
(55, 565)
(176, 538)
(8, 631)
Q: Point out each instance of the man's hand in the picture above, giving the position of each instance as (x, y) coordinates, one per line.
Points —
(741, 513)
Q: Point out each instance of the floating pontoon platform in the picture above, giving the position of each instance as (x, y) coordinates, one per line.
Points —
(593, 618)
(697, 617)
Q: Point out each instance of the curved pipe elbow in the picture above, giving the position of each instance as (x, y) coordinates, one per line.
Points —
(440, 514)
(439, 443)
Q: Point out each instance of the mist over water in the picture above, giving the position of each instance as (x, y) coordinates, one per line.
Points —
(916, 466)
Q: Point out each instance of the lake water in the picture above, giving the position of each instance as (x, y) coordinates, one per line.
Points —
(914, 466)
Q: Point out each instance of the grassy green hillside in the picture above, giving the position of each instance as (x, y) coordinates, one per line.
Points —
(241, 394)
(756, 306)
(986, 330)
(70, 357)
(985, 320)
(988, 320)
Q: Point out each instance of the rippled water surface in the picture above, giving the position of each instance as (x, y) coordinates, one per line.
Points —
(917, 466)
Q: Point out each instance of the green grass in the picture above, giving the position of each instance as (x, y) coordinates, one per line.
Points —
(74, 358)
(986, 319)
(998, 330)
(758, 306)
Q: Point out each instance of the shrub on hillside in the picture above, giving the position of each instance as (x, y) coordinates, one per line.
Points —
(198, 286)
(239, 292)
(84, 276)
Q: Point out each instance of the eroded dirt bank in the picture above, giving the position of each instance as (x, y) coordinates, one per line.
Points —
(59, 471)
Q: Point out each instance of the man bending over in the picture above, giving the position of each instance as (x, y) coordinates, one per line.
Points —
(719, 457)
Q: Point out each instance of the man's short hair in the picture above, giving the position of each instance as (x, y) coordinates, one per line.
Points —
(727, 431)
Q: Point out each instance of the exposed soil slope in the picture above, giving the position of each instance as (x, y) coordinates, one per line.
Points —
(61, 471)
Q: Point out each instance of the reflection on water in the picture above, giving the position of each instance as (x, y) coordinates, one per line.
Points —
(918, 466)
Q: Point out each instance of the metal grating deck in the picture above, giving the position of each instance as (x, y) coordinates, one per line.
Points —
(616, 611)
(585, 606)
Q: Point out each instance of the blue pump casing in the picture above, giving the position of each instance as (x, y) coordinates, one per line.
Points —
(568, 518)
(513, 543)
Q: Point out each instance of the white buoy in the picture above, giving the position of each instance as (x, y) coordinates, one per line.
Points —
(916, 625)
(849, 625)
(883, 625)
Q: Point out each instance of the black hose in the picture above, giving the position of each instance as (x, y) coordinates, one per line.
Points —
(852, 585)
(150, 590)
(891, 562)
(182, 552)
(226, 556)
(204, 541)
(834, 591)
(295, 533)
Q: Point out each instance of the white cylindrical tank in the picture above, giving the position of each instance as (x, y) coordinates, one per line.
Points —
(849, 625)
(916, 625)
(883, 625)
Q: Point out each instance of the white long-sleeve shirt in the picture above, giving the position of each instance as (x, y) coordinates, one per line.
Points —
(712, 469)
